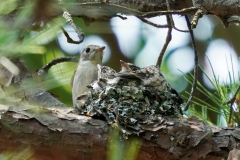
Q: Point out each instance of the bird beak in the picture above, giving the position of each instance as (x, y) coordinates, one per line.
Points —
(124, 66)
(100, 49)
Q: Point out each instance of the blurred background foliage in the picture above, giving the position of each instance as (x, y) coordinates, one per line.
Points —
(30, 33)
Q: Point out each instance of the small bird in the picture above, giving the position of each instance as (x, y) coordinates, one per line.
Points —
(105, 72)
(125, 73)
(149, 76)
(86, 72)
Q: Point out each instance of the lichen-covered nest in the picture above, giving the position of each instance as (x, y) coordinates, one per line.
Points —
(134, 99)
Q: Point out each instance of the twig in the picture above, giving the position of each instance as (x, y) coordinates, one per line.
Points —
(121, 17)
(68, 18)
(171, 19)
(180, 30)
(231, 101)
(168, 39)
(162, 26)
(196, 17)
(45, 68)
(153, 24)
(194, 84)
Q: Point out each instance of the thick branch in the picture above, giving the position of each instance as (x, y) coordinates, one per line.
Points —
(105, 10)
(60, 133)
(151, 8)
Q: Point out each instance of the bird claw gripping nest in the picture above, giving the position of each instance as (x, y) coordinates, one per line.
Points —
(134, 99)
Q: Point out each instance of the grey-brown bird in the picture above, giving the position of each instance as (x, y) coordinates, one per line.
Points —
(86, 71)
(149, 76)
(105, 72)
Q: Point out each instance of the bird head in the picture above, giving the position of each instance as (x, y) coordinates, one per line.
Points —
(92, 53)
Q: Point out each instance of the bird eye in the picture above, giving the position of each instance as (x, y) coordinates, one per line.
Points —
(87, 50)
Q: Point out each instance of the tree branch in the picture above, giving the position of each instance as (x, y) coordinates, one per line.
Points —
(145, 9)
(59, 133)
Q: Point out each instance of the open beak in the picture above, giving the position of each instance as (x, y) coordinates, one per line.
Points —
(124, 66)
(101, 49)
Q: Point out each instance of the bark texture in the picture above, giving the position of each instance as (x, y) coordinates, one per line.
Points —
(58, 133)
(92, 10)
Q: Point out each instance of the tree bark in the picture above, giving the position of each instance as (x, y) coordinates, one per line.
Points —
(58, 133)
(98, 10)
(91, 11)
(136, 7)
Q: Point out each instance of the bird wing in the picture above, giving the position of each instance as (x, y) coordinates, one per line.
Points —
(71, 82)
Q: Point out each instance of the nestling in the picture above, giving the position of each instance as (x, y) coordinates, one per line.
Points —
(149, 76)
(86, 71)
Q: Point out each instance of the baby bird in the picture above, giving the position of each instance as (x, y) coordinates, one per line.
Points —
(86, 72)
(105, 72)
(149, 76)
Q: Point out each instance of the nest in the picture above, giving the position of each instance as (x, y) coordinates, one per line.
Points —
(134, 99)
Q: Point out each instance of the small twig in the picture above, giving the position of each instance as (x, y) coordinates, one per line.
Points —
(171, 19)
(196, 17)
(45, 68)
(119, 16)
(153, 24)
(168, 39)
(69, 39)
(161, 26)
(180, 30)
(194, 84)
(231, 101)
(68, 18)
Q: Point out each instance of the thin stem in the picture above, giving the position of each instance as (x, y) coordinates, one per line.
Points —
(68, 18)
(45, 68)
(168, 39)
(194, 84)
